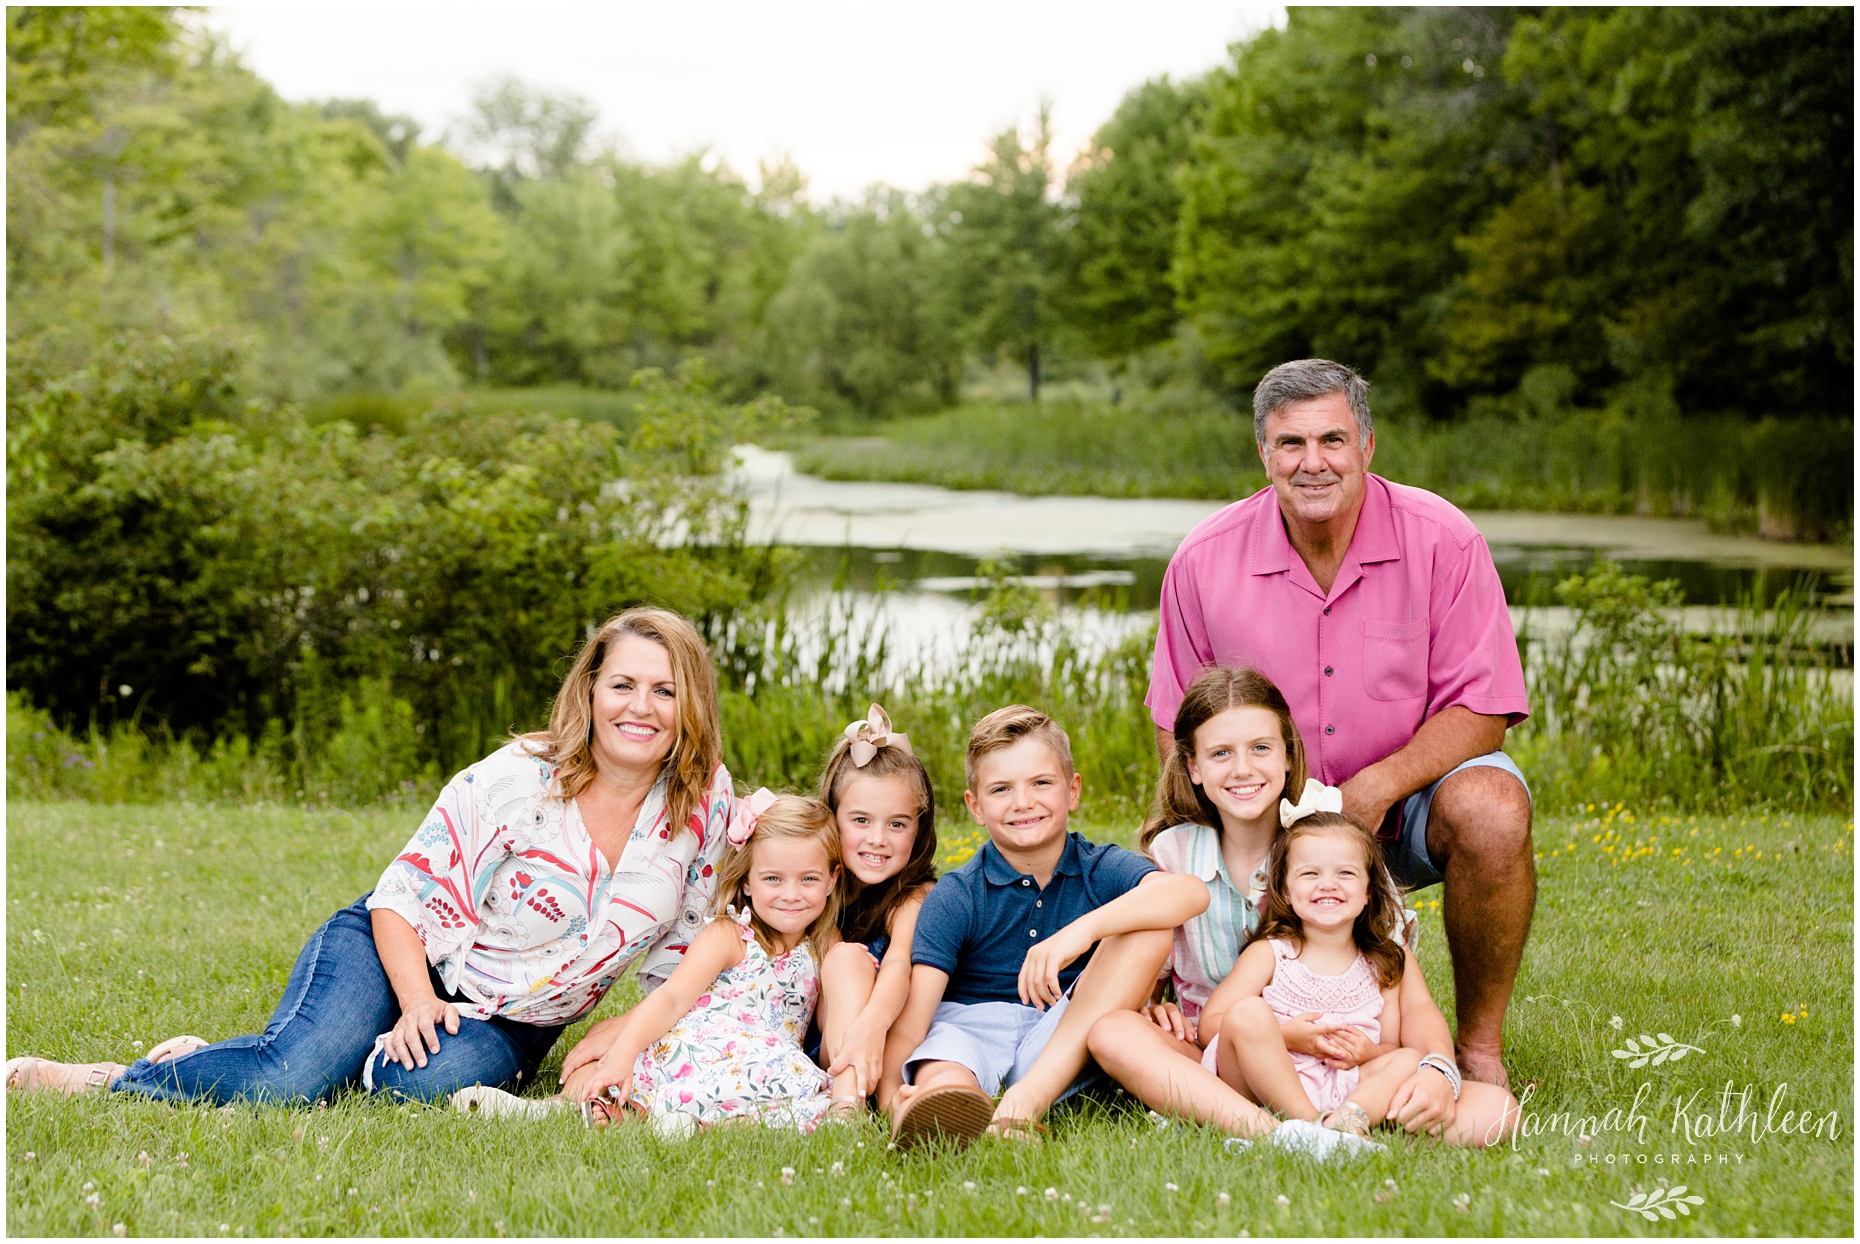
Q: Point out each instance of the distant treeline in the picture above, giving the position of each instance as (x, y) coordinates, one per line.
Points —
(1488, 211)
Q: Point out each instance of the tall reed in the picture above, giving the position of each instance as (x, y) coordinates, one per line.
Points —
(1625, 706)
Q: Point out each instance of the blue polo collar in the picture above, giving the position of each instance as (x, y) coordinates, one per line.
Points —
(998, 871)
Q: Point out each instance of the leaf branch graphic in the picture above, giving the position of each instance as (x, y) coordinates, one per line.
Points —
(1660, 1203)
(1647, 1050)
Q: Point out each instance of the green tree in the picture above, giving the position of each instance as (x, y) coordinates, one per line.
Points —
(1129, 202)
(1339, 160)
(1005, 258)
(1684, 218)
(854, 328)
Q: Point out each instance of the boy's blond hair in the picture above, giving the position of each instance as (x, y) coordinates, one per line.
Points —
(1007, 726)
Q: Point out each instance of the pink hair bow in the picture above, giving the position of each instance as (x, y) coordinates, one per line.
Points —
(871, 733)
(748, 812)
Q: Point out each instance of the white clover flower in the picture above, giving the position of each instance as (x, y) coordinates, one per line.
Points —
(1737, 1021)
(1614, 1021)
(1284, 1201)
(787, 1176)
(93, 1200)
(1052, 1194)
(968, 1185)
(1462, 1201)
(1223, 1199)
(1020, 1192)
(1171, 1187)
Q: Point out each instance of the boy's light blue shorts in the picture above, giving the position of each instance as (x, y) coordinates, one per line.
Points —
(998, 1041)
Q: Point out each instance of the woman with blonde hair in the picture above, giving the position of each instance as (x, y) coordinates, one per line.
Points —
(542, 873)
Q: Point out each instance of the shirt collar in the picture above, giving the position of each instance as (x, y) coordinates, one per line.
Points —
(999, 872)
(1206, 861)
(1372, 541)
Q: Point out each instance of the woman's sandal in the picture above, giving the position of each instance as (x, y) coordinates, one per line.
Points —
(175, 1047)
(948, 1113)
(1349, 1117)
(30, 1075)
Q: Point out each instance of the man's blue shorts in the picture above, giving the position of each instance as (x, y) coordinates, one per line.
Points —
(1406, 854)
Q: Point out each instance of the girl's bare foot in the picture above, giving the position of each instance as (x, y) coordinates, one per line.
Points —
(37, 1075)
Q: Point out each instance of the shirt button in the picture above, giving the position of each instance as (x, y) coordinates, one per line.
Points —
(1327, 611)
(1327, 671)
(1039, 902)
(1330, 729)
(1033, 932)
(1025, 881)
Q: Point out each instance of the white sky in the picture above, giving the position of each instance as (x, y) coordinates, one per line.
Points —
(905, 94)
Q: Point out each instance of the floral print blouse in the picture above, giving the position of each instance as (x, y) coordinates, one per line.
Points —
(520, 913)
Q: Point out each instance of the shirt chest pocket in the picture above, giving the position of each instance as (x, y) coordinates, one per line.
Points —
(1395, 660)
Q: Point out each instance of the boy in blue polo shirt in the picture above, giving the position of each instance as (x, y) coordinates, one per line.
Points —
(1021, 950)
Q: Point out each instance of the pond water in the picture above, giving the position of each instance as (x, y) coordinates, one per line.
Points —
(919, 547)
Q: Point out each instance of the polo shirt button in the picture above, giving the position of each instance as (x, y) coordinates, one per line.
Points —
(1033, 932)
(1330, 729)
(1025, 881)
(1327, 611)
(1327, 671)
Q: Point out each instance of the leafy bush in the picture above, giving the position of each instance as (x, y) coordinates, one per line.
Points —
(207, 571)
(1627, 705)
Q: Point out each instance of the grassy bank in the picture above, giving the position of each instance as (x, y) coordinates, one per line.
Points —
(1786, 478)
(131, 924)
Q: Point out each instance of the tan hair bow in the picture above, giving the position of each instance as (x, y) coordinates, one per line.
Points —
(872, 732)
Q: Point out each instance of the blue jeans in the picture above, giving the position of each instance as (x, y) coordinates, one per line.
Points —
(335, 1004)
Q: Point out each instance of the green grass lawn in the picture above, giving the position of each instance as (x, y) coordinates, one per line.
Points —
(131, 924)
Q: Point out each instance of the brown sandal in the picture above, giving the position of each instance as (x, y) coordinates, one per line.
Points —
(952, 1112)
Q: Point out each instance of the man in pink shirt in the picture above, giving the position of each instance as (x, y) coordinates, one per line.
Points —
(1378, 612)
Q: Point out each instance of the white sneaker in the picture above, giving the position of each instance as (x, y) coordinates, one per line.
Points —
(1303, 1136)
(496, 1103)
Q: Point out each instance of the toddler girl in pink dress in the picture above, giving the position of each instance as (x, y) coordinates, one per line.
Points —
(1322, 958)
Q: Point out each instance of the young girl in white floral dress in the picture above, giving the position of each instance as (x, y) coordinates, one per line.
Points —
(722, 1038)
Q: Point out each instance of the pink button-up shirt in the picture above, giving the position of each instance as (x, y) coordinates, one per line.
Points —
(1414, 623)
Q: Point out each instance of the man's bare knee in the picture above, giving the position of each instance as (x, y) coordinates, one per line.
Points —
(1481, 813)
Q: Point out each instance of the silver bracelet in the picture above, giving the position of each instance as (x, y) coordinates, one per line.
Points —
(1444, 1065)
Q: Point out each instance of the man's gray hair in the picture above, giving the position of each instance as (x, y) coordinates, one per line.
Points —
(1304, 379)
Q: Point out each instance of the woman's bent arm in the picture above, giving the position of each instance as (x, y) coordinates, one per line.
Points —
(403, 958)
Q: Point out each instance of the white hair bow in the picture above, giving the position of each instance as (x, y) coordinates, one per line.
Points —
(1316, 798)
